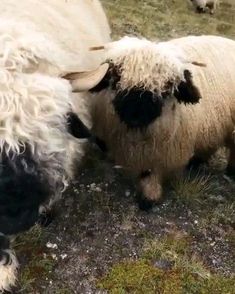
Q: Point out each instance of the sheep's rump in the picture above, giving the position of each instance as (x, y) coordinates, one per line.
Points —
(216, 83)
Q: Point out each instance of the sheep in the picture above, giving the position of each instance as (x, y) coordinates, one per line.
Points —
(204, 5)
(40, 40)
(161, 104)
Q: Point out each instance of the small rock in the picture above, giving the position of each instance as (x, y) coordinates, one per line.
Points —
(127, 193)
(164, 264)
(51, 245)
(117, 167)
(63, 256)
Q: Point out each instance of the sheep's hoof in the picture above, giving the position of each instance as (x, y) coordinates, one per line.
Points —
(45, 218)
(230, 172)
(200, 10)
(195, 163)
(4, 242)
(144, 203)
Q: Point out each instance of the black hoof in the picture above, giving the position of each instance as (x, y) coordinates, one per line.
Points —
(45, 218)
(230, 172)
(200, 10)
(195, 163)
(143, 203)
(4, 242)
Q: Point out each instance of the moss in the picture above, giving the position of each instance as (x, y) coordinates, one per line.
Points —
(187, 274)
(39, 265)
(139, 277)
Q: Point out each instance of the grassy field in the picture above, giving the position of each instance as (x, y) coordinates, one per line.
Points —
(101, 243)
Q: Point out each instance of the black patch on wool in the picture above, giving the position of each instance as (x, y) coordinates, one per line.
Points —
(23, 188)
(76, 127)
(137, 108)
(187, 92)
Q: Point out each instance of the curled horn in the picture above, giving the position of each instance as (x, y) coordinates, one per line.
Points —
(84, 81)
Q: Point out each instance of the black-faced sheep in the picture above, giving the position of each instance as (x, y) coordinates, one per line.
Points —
(40, 40)
(204, 5)
(161, 104)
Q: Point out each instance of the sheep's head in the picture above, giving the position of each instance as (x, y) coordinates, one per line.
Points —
(141, 76)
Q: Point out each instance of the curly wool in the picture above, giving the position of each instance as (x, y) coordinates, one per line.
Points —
(147, 65)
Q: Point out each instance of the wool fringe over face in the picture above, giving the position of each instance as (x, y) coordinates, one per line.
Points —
(140, 60)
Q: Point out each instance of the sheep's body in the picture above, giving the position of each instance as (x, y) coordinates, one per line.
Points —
(203, 5)
(40, 40)
(181, 131)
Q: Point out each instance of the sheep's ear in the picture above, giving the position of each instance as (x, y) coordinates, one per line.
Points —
(84, 81)
(187, 92)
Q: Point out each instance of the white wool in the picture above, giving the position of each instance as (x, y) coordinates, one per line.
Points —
(40, 40)
(8, 273)
(24, 49)
(146, 64)
(33, 108)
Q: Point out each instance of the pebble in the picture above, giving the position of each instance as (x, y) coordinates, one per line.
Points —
(51, 245)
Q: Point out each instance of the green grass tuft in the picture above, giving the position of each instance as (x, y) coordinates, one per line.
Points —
(185, 272)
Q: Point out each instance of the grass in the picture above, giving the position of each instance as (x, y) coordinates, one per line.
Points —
(184, 273)
(192, 189)
(161, 19)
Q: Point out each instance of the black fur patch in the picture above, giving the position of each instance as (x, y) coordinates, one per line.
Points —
(4, 242)
(137, 108)
(76, 127)
(143, 203)
(23, 188)
(187, 92)
(111, 80)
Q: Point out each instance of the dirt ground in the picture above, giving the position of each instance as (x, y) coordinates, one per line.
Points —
(100, 242)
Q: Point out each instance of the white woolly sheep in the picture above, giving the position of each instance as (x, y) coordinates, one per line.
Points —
(40, 40)
(161, 104)
(204, 5)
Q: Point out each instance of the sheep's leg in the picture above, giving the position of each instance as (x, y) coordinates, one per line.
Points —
(231, 161)
(149, 190)
(197, 160)
(8, 265)
(46, 216)
(211, 7)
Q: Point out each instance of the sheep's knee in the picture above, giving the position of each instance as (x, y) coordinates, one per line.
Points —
(150, 191)
(8, 266)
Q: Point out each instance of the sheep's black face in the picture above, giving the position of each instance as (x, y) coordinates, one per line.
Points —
(23, 188)
(137, 108)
